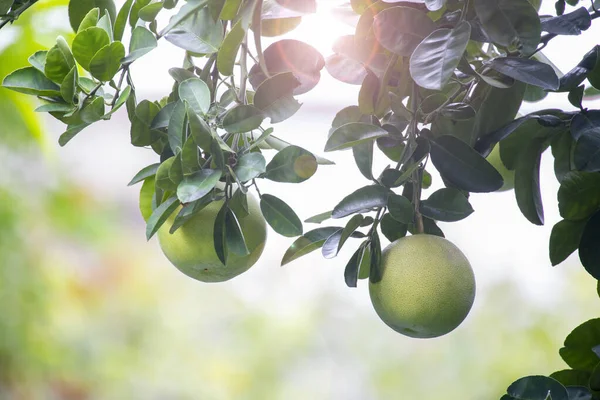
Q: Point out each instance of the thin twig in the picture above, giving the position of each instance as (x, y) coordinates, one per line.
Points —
(17, 13)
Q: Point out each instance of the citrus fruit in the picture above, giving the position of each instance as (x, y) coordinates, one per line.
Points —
(427, 286)
(508, 175)
(191, 247)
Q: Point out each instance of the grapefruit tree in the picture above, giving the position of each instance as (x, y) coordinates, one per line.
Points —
(441, 83)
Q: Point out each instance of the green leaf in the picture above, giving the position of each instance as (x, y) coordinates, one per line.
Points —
(93, 111)
(164, 116)
(375, 268)
(121, 20)
(275, 97)
(144, 173)
(309, 242)
(510, 23)
(107, 61)
(70, 133)
(229, 49)
(401, 29)
(239, 203)
(392, 229)
(353, 133)
(78, 10)
(68, 88)
(527, 70)
(59, 61)
(56, 107)
(527, 182)
(447, 204)
(568, 24)
(38, 60)
(220, 234)
(464, 167)
(317, 219)
(147, 198)
(587, 153)
(589, 247)
(30, 80)
(280, 216)
(149, 12)
(579, 195)
(434, 60)
(197, 185)
(537, 388)
(351, 271)
(141, 134)
(190, 161)
(184, 13)
(363, 199)
(106, 24)
(87, 43)
(230, 9)
(176, 130)
(278, 144)
(250, 166)
(200, 130)
(564, 239)
(400, 208)
(218, 158)
(330, 247)
(122, 99)
(234, 235)
(196, 93)
(242, 118)
(160, 215)
(163, 180)
(594, 75)
(176, 171)
(293, 164)
(578, 350)
(142, 42)
(199, 33)
(363, 157)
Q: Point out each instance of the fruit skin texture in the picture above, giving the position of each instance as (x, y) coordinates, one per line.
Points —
(508, 175)
(427, 286)
(191, 247)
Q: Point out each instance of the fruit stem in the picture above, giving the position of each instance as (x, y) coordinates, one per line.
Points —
(418, 178)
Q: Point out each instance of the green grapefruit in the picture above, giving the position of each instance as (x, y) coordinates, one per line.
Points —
(427, 286)
(191, 247)
(508, 175)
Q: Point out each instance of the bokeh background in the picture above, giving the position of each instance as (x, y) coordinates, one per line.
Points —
(90, 310)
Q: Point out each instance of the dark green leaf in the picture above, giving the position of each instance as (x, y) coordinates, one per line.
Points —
(274, 97)
(561, 150)
(181, 74)
(363, 157)
(148, 13)
(219, 234)
(568, 24)
(363, 199)
(70, 133)
(434, 60)
(586, 124)
(163, 181)
(184, 13)
(579, 195)
(78, 9)
(200, 130)
(392, 229)
(141, 134)
(352, 268)
(353, 133)
(234, 235)
(280, 216)
(463, 166)
(564, 239)
(177, 127)
(250, 166)
(310, 241)
(587, 153)
(576, 96)
(331, 245)
(353, 224)
(176, 170)
(571, 377)
(197, 185)
(447, 204)
(160, 215)
(510, 23)
(188, 211)
(293, 164)
(230, 48)
(527, 70)
(401, 29)
(537, 388)
(242, 118)
(375, 270)
(527, 182)
(68, 87)
(121, 20)
(589, 247)
(579, 393)
(400, 208)
(578, 350)
(164, 115)
(93, 111)
(59, 61)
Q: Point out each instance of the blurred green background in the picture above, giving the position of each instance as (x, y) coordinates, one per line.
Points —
(89, 310)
